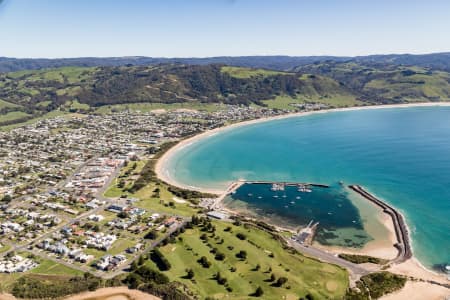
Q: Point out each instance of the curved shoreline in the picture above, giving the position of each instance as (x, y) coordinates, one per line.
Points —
(162, 170)
(408, 267)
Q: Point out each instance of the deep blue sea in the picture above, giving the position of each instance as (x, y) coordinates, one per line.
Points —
(401, 155)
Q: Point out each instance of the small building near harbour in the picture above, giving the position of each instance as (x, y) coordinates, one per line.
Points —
(217, 215)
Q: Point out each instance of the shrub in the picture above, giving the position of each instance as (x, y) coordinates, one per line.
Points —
(259, 292)
(242, 254)
(204, 262)
(219, 256)
(241, 236)
(158, 258)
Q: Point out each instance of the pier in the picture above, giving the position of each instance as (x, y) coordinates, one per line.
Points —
(286, 183)
(401, 230)
(402, 245)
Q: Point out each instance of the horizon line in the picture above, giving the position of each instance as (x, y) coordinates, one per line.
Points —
(230, 56)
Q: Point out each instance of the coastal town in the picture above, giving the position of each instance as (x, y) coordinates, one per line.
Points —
(54, 174)
(221, 150)
(69, 197)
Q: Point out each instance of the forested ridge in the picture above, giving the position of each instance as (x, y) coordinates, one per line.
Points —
(30, 93)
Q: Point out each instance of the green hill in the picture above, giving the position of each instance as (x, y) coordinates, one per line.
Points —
(33, 93)
(385, 83)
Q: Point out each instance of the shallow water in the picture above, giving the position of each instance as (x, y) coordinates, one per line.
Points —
(339, 220)
(402, 155)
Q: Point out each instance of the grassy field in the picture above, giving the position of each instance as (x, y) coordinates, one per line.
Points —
(161, 204)
(48, 267)
(14, 115)
(4, 248)
(113, 191)
(240, 72)
(412, 88)
(71, 74)
(45, 268)
(6, 104)
(283, 102)
(147, 107)
(52, 114)
(286, 102)
(77, 105)
(304, 275)
(148, 200)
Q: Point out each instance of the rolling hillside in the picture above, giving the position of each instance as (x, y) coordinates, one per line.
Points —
(28, 94)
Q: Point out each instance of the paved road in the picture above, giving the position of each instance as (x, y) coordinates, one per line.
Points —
(108, 201)
(154, 244)
(356, 271)
(98, 195)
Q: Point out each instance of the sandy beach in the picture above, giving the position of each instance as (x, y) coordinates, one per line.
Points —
(113, 293)
(163, 172)
(419, 291)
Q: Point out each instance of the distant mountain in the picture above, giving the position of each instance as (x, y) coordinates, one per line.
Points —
(438, 61)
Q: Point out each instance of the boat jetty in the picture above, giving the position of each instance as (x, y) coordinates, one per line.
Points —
(279, 185)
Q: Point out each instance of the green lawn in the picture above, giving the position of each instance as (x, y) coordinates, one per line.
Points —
(49, 267)
(94, 252)
(161, 204)
(147, 201)
(120, 246)
(304, 275)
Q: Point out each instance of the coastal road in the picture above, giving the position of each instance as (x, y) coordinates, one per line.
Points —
(356, 271)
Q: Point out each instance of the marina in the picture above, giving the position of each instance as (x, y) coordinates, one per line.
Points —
(332, 217)
(311, 224)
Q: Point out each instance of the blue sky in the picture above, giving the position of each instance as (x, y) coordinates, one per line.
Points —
(198, 28)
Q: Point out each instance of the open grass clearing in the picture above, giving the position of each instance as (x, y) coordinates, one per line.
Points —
(148, 107)
(240, 72)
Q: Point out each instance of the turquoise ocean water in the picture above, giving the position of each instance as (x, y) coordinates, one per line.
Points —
(402, 155)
